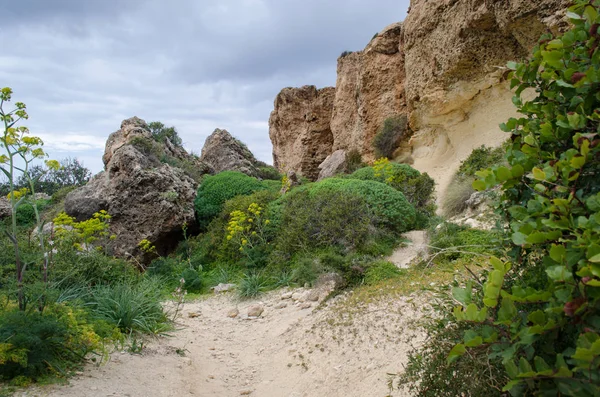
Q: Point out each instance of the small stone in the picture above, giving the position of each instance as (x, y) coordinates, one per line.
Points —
(312, 296)
(305, 305)
(297, 296)
(281, 305)
(193, 314)
(255, 311)
(233, 313)
(287, 295)
(245, 392)
(223, 288)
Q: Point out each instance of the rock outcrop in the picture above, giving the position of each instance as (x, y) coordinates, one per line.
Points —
(300, 129)
(223, 152)
(443, 67)
(5, 208)
(334, 164)
(147, 198)
(369, 89)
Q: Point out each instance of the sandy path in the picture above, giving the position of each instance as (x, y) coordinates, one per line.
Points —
(403, 255)
(339, 348)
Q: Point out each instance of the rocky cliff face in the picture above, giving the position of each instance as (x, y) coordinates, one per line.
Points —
(442, 67)
(147, 199)
(300, 129)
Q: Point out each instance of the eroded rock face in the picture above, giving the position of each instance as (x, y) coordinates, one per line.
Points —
(5, 208)
(300, 129)
(146, 198)
(225, 153)
(369, 89)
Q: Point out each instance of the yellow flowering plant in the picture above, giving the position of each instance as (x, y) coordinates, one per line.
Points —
(246, 229)
(20, 151)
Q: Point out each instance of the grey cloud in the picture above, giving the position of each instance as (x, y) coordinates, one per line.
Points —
(83, 66)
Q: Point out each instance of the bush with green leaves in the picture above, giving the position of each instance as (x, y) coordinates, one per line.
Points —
(161, 133)
(215, 190)
(418, 188)
(131, 307)
(392, 132)
(35, 344)
(540, 312)
(381, 270)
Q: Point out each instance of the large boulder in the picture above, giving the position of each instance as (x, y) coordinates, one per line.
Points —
(300, 129)
(334, 164)
(223, 152)
(146, 197)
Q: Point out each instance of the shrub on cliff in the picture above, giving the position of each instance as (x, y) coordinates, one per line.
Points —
(215, 190)
(386, 141)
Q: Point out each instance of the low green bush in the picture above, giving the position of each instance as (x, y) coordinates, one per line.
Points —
(392, 132)
(131, 307)
(267, 172)
(481, 158)
(389, 206)
(381, 270)
(192, 279)
(35, 344)
(252, 284)
(215, 190)
(90, 268)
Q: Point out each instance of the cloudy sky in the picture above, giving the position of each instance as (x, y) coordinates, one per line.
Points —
(82, 66)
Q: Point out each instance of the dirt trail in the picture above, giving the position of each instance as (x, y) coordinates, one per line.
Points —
(402, 256)
(338, 348)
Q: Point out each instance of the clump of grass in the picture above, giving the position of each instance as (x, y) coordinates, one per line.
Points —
(457, 194)
(252, 285)
(132, 308)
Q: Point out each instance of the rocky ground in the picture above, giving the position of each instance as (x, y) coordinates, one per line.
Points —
(300, 345)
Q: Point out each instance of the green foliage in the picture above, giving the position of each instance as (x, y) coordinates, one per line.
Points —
(131, 307)
(26, 212)
(161, 133)
(353, 161)
(35, 344)
(540, 312)
(418, 188)
(389, 206)
(346, 53)
(252, 284)
(481, 158)
(451, 241)
(381, 270)
(193, 281)
(72, 268)
(216, 190)
(267, 172)
(392, 132)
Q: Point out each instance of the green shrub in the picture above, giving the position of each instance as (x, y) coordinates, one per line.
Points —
(193, 281)
(252, 284)
(456, 240)
(267, 172)
(540, 311)
(75, 269)
(215, 190)
(353, 161)
(61, 194)
(132, 308)
(388, 205)
(418, 188)
(481, 158)
(392, 132)
(36, 344)
(381, 270)
(161, 133)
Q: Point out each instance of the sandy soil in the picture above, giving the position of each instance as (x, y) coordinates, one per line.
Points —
(332, 348)
(416, 246)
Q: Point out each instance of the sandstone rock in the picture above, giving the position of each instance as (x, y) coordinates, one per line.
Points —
(146, 198)
(255, 311)
(222, 288)
(305, 305)
(287, 295)
(299, 128)
(334, 164)
(5, 208)
(298, 296)
(223, 152)
(312, 295)
(369, 89)
(281, 305)
(233, 313)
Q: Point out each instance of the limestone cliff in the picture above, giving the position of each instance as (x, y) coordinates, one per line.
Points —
(300, 129)
(443, 67)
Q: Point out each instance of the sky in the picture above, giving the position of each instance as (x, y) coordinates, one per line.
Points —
(83, 66)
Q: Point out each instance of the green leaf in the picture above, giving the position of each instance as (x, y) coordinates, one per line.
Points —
(503, 174)
(540, 364)
(456, 352)
(559, 273)
(572, 15)
(519, 238)
(524, 366)
(512, 384)
(479, 185)
(558, 252)
(507, 310)
(537, 238)
(538, 174)
(595, 259)
(537, 317)
(463, 295)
